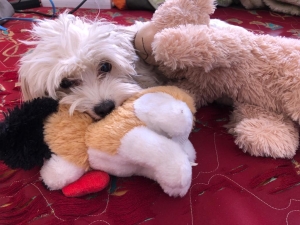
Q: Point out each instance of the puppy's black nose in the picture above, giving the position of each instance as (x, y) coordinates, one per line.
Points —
(104, 108)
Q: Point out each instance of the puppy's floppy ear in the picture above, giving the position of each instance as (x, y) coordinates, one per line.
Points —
(25, 88)
(21, 134)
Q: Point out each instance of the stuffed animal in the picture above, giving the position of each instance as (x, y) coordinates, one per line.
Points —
(260, 73)
(147, 135)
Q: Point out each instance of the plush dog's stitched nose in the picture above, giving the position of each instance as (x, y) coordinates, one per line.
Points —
(104, 108)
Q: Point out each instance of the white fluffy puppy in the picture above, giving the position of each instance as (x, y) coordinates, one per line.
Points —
(91, 65)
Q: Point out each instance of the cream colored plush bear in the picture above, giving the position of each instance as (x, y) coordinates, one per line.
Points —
(260, 73)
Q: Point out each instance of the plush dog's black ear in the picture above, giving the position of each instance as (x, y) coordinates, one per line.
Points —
(21, 134)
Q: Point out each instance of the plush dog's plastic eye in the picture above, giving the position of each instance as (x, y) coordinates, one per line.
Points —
(67, 83)
(105, 67)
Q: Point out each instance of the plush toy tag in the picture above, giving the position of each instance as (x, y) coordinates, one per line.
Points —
(180, 139)
(143, 41)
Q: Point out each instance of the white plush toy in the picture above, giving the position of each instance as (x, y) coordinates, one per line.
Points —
(147, 135)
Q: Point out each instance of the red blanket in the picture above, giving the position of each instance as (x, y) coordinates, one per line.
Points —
(229, 187)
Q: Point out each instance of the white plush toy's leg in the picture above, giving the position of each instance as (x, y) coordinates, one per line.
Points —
(116, 164)
(263, 133)
(162, 159)
(146, 153)
(57, 172)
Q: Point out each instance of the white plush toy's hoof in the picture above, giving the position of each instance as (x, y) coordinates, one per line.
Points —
(177, 180)
(57, 172)
(175, 175)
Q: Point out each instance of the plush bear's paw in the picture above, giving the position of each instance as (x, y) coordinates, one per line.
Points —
(175, 180)
(262, 137)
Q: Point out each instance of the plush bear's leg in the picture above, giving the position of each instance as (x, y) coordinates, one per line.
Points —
(158, 158)
(58, 172)
(263, 133)
(175, 12)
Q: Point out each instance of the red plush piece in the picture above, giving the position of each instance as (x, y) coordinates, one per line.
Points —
(90, 182)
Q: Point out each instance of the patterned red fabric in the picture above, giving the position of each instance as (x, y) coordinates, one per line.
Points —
(229, 187)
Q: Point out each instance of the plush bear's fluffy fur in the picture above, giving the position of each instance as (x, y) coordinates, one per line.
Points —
(260, 73)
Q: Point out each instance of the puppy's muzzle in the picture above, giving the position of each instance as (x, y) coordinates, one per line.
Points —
(104, 108)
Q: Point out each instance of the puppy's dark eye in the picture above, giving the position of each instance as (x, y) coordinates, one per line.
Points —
(68, 83)
(105, 67)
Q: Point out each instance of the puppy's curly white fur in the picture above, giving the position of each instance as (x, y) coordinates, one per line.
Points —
(91, 65)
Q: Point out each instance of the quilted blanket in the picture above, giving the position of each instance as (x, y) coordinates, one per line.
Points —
(229, 187)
